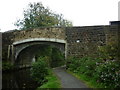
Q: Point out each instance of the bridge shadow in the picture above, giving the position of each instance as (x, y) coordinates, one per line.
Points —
(30, 54)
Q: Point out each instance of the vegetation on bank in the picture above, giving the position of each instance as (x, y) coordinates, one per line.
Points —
(42, 73)
(7, 66)
(52, 81)
(39, 70)
(96, 73)
(100, 72)
(46, 58)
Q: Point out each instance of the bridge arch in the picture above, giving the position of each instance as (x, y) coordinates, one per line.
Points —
(39, 39)
(23, 44)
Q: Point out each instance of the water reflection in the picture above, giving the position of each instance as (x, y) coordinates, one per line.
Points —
(19, 79)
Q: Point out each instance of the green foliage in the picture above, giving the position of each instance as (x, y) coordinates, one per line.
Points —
(84, 65)
(38, 16)
(44, 75)
(54, 56)
(7, 66)
(90, 82)
(108, 73)
(109, 51)
(52, 81)
(39, 70)
(46, 57)
(105, 73)
(57, 58)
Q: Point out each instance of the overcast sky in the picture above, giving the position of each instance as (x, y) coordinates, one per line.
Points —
(80, 12)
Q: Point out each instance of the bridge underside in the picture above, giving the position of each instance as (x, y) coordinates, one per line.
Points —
(24, 53)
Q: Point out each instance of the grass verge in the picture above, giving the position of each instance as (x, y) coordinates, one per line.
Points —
(53, 82)
(90, 82)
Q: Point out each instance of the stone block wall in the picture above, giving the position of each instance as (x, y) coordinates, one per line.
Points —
(7, 40)
(84, 41)
(58, 33)
(81, 41)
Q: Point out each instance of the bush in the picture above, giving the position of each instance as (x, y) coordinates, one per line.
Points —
(109, 51)
(85, 65)
(7, 66)
(108, 73)
(40, 70)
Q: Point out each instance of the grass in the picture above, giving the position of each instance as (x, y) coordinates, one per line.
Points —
(53, 82)
(89, 81)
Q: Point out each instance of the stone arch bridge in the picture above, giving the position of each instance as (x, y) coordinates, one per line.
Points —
(72, 41)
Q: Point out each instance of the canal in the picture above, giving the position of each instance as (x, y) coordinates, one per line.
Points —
(20, 79)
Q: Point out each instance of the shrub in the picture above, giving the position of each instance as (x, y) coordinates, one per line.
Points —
(109, 51)
(85, 65)
(108, 73)
(39, 70)
(7, 66)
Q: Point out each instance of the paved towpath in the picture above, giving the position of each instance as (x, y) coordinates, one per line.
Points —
(67, 80)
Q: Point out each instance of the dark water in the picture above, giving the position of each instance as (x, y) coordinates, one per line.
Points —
(20, 80)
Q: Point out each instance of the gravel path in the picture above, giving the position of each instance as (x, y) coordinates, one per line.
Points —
(67, 80)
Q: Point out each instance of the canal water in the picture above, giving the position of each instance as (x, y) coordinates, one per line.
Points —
(18, 80)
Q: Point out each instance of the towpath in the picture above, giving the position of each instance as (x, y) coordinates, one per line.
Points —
(68, 80)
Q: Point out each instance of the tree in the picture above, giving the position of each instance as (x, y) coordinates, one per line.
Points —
(39, 16)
